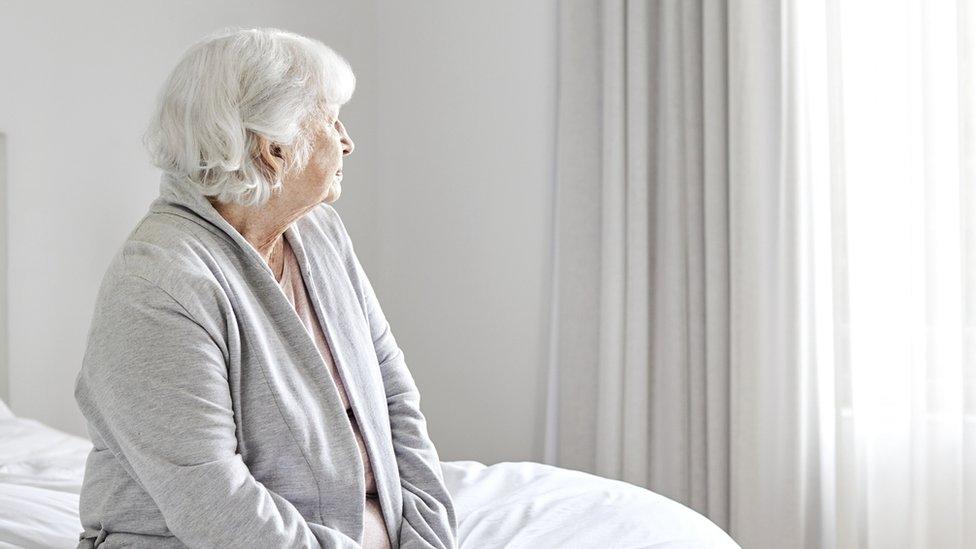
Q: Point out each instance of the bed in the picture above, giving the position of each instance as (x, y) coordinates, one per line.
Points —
(505, 505)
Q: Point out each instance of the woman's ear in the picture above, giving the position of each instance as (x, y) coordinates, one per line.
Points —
(269, 158)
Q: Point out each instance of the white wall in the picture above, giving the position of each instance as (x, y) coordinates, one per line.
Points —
(446, 196)
(467, 120)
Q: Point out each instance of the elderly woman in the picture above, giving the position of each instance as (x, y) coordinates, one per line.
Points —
(241, 384)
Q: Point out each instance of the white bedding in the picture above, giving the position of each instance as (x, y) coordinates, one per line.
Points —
(510, 505)
(40, 477)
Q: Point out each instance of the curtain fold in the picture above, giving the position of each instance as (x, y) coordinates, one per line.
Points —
(771, 450)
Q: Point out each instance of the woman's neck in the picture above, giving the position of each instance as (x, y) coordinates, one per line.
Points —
(263, 226)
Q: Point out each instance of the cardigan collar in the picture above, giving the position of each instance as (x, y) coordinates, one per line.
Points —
(178, 197)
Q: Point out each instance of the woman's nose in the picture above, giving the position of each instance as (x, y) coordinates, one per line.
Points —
(347, 144)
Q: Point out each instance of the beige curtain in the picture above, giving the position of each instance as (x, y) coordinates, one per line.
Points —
(639, 369)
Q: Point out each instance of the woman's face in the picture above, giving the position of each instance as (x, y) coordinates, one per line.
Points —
(322, 177)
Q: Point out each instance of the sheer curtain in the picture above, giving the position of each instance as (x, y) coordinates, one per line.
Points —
(853, 266)
(890, 108)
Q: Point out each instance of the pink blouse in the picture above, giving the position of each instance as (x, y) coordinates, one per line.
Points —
(374, 528)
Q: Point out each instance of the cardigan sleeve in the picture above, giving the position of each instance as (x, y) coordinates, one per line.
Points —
(428, 512)
(154, 385)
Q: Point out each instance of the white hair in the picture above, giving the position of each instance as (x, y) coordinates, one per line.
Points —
(236, 85)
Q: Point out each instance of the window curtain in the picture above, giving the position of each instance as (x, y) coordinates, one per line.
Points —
(639, 361)
(764, 284)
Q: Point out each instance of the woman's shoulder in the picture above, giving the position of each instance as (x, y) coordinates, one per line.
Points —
(163, 256)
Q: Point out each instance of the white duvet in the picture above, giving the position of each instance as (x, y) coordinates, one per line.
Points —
(507, 505)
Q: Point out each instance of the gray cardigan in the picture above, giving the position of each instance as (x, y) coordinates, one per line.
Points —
(214, 419)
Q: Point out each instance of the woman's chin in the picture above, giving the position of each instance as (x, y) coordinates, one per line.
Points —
(333, 193)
